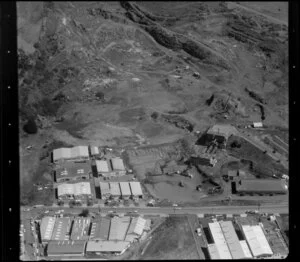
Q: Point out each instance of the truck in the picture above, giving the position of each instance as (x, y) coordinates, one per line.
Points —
(198, 231)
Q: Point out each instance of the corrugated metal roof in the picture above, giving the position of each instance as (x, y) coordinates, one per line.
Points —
(80, 228)
(264, 185)
(256, 247)
(103, 166)
(125, 189)
(219, 240)
(100, 229)
(245, 248)
(262, 240)
(232, 240)
(213, 251)
(115, 189)
(46, 227)
(137, 226)
(118, 228)
(117, 164)
(61, 229)
(66, 247)
(65, 189)
(136, 188)
(69, 153)
(104, 188)
(107, 246)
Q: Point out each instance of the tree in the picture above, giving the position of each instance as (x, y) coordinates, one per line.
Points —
(30, 127)
(84, 213)
(99, 95)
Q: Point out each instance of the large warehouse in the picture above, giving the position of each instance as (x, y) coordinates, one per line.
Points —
(66, 248)
(125, 190)
(61, 230)
(118, 228)
(80, 228)
(237, 250)
(219, 241)
(118, 166)
(72, 171)
(104, 168)
(261, 186)
(136, 189)
(115, 190)
(76, 153)
(78, 191)
(46, 228)
(100, 229)
(257, 241)
(96, 247)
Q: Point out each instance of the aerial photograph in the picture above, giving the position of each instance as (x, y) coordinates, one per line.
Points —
(153, 130)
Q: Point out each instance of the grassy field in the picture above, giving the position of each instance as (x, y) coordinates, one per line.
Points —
(172, 240)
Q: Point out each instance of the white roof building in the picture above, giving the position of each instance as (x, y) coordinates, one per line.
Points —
(257, 124)
(137, 226)
(219, 240)
(118, 228)
(115, 189)
(125, 189)
(94, 150)
(245, 248)
(117, 164)
(70, 153)
(255, 237)
(107, 246)
(235, 248)
(102, 166)
(46, 227)
(213, 251)
(136, 189)
(82, 188)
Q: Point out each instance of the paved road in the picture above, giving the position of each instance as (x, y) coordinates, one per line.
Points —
(266, 208)
(249, 9)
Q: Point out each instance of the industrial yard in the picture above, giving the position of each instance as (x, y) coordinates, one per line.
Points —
(133, 112)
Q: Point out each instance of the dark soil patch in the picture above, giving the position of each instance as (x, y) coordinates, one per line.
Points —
(151, 129)
(72, 127)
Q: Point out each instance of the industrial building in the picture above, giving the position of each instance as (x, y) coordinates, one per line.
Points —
(80, 228)
(115, 190)
(217, 133)
(61, 230)
(135, 229)
(118, 166)
(136, 190)
(125, 190)
(96, 247)
(104, 190)
(103, 168)
(257, 241)
(100, 229)
(72, 172)
(66, 248)
(77, 153)
(219, 241)
(46, 228)
(94, 151)
(237, 250)
(261, 186)
(78, 191)
(118, 228)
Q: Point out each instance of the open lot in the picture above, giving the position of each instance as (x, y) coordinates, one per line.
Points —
(172, 240)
